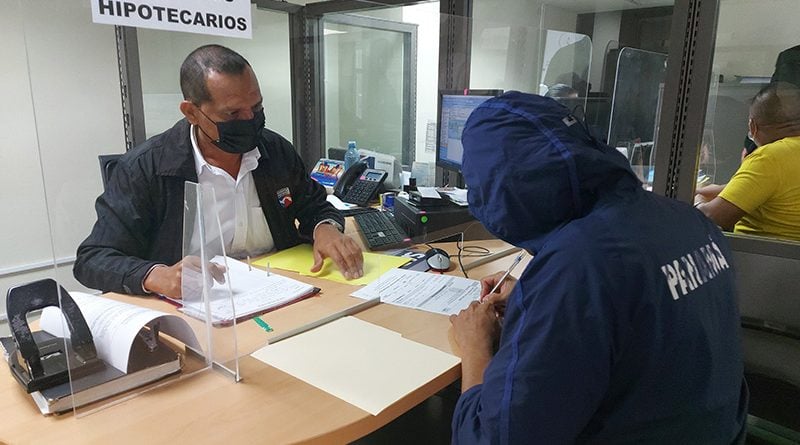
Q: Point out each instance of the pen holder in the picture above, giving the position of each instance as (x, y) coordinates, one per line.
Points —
(387, 201)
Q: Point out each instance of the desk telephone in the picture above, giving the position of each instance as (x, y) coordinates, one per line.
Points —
(359, 184)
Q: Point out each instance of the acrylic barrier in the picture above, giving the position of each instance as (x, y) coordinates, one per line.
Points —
(638, 93)
(69, 347)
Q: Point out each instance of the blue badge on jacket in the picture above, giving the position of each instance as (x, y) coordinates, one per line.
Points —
(285, 197)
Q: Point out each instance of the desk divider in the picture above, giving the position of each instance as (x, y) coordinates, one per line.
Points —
(206, 285)
(144, 343)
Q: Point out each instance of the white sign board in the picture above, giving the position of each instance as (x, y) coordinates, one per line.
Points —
(228, 18)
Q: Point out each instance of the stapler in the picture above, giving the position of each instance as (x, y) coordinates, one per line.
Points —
(39, 360)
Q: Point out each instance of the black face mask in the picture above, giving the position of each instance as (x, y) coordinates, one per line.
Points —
(238, 136)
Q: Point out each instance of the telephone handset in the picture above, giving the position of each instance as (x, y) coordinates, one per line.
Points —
(359, 184)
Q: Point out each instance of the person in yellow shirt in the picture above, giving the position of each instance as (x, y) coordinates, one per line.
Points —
(763, 196)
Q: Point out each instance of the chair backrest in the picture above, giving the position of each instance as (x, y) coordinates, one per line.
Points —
(769, 301)
(107, 164)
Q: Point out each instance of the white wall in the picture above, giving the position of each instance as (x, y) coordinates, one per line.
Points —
(606, 30)
(750, 34)
(60, 84)
(162, 52)
(426, 17)
(505, 45)
(506, 39)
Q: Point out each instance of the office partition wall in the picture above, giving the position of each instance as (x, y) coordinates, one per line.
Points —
(62, 110)
(160, 54)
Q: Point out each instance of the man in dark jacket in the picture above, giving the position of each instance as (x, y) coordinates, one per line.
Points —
(261, 186)
(623, 328)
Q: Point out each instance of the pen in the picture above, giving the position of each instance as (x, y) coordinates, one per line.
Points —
(268, 272)
(264, 325)
(505, 275)
(249, 265)
(170, 301)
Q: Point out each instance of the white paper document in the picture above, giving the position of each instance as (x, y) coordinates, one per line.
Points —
(253, 290)
(428, 192)
(339, 204)
(114, 326)
(456, 195)
(363, 364)
(443, 294)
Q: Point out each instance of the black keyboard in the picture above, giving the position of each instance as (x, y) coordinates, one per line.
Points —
(380, 231)
(358, 210)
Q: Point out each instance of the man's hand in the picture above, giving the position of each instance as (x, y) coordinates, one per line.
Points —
(167, 280)
(476, 330)
(345, 253)
(499, 298)
(722, 212)
(707, 193)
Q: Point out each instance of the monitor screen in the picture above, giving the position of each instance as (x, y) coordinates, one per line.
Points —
(454, 109)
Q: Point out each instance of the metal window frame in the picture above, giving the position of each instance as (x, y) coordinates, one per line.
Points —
(455, 59)
(130, 86)
(683, 110)
(409, 32)
(308, 124)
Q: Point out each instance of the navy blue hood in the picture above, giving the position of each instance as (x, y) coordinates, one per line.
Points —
(531, 167)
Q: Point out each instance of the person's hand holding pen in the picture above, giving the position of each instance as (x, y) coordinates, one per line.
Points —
(496, 288)
(499, 297)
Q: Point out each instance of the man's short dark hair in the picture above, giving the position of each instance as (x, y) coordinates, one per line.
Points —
(777, 104)
(200, 63)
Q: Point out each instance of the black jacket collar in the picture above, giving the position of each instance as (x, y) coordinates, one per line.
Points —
(176, 157)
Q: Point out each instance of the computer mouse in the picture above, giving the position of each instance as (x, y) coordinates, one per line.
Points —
(437, 259)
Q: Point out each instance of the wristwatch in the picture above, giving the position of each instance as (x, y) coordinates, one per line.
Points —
(332, 222)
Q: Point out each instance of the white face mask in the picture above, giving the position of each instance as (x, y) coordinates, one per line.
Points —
(750, 133)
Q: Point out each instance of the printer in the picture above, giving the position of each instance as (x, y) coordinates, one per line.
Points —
(428, 221)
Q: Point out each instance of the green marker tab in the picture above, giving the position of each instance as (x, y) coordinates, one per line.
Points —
(263, 324)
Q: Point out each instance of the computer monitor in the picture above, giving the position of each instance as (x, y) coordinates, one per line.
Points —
(455, 106)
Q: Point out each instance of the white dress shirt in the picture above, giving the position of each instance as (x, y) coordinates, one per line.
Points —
(244, 228)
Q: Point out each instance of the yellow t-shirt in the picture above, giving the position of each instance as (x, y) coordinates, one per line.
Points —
(767, 188)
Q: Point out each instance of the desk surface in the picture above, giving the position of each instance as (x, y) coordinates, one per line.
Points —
(267, 406)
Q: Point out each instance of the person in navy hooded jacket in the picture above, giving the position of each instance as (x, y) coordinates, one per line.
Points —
(623, 328)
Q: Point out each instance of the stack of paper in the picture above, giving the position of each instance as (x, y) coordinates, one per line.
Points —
(253, 292)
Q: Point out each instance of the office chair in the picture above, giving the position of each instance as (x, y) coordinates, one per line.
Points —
(107, 164)
(336, 153)
(768, 302)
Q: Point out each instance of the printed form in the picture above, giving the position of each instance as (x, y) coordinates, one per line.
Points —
(442, 294)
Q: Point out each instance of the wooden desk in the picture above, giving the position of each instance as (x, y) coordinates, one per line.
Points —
(268, 406)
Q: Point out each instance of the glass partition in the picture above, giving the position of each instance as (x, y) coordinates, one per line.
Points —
(566, 59)
(638, 93)
(370, 63)
(603, 59)
(56, 128)
(64, 81)
(206, 280)
(366, 85)
(746, 59)
(380, 83)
